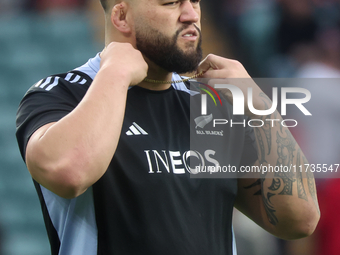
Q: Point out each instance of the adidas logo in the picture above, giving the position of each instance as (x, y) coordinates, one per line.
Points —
(135, 129)
(74, 78)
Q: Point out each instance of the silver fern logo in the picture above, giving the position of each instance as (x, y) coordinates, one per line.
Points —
(202, 121)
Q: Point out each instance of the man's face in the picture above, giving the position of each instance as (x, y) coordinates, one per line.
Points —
(168, 34)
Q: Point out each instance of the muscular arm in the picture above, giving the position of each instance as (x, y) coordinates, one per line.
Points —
(285, 204)
(70, 155)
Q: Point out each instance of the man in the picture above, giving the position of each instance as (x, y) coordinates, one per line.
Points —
(106, 147)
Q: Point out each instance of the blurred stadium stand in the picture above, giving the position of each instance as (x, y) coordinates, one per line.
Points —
(31, 48)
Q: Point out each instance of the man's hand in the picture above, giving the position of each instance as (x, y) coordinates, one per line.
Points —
(232, 72)
(127, 60)
(215, 67)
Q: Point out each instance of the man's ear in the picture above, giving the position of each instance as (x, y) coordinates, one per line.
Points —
(118, 18)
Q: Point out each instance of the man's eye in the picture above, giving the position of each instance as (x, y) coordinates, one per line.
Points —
(177, 2)
(171, 3)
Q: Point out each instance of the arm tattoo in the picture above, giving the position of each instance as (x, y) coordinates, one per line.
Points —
(300, 188)
(266, 130)
(260, 144)
(258, 182)
(311, 184)
(285, 151)
(276, 184)
(266, 200)
(266, 126)
(287, 154)
(270, 209)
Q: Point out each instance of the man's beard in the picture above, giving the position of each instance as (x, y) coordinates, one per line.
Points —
(165, 53)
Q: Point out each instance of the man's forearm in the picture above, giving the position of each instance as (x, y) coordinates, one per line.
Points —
(289, 193)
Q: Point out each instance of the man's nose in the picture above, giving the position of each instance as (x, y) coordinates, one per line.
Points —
(189, 14)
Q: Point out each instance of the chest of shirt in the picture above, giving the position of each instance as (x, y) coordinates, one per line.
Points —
(160, 134)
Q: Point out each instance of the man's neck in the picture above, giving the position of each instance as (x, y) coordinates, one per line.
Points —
(153, 86)
(158, 74)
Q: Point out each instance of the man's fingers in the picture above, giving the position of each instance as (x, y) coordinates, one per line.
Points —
(212, 62)
(217, 67)
(206, 64)
(203, 66)
(213, 74)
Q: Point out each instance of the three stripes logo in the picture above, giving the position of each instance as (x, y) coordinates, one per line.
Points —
(75, 78)
(50, 82)
(135, 129)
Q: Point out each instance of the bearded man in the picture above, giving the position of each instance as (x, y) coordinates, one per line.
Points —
(107, 145)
